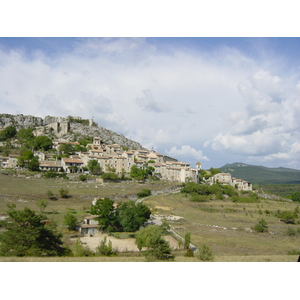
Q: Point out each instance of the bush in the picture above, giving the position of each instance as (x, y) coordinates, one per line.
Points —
(291, 232)
(110, 176)
(204, 253)
(64, 193)
(189, 253)
(106, 250)
(144, 193)
(80, 250)
(287, 217)
(296, 196)
(70, 221)
(261, 226)
(49, 194)
(198, 198)
(82, 177)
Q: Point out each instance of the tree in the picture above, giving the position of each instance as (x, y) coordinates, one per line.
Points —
(26, 136)
(204, 253)
(214, 171)
(131, 216)
(136, 173)
(33, 164)
(157, 247)
(42, 143)
(94, 167)
(8, 133)
(42, 204)
(70, 221)
(144, 193)
(27, 159)
(187, 240)
(287, 217)
(66, 149)
(28, 235)
(105, 210)
(296, 196)
(109, 176)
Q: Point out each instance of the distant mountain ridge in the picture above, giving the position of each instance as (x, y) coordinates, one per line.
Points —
(261, 174)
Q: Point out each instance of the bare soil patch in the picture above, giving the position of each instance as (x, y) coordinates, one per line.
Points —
(163, 207)
(120, 245)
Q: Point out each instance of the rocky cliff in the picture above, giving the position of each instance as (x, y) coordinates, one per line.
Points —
(70, 128)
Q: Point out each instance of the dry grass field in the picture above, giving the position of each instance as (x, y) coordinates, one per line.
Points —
(225, 226)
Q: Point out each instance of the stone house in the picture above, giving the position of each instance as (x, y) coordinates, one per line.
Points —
(50, 166)
(10, 161)
(70, 165)
(226, 179)
(90, 225)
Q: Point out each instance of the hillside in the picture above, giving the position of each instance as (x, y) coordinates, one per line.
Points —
(261, 174)
(69, 128)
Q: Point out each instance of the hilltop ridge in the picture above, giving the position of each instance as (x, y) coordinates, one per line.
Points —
(70, 128)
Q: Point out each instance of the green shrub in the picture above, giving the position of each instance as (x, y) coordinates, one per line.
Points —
(64, 193)
(82, 177)
(291, 232)
(110, 176)
(287, 217)
(261, 226)
(70, 221)
(144, 193)
(198, 198)
(80, 250)
(49, 194)
(189, 253)
(106, 250)
(204, 253)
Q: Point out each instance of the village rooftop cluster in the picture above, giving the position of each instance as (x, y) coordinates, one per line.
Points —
(114, 157)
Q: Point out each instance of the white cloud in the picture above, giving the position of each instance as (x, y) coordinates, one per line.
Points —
(187, 151)
(267, 128)
(147, 103)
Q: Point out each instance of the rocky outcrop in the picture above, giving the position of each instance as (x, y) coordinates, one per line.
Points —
(70, 128)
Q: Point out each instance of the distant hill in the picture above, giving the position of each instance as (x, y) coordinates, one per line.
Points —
(262, 175)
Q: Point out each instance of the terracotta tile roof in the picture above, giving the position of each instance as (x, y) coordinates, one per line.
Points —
(72, 160)
(49, 164)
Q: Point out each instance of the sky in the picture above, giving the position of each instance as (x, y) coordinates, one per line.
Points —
(213, 100)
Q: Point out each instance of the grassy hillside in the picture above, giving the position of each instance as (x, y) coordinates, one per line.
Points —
(262, 175)
(224, 225)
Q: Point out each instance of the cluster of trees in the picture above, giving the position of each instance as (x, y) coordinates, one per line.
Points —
(157, 247)
(204, 175)
(8, 133)
(27, 234)
(27, 159)
(141, 174)
(122, 217)
(201, 192)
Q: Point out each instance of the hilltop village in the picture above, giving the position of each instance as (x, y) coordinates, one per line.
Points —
(112, 157)
(109, 157)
